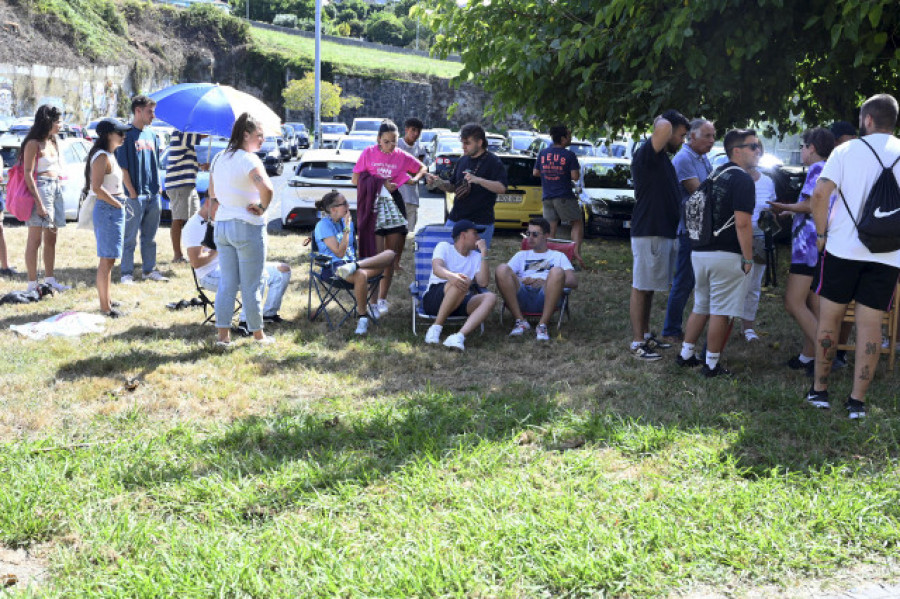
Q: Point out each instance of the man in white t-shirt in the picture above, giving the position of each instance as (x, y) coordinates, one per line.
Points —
(459, 272)
(847, 269)
(205, 262)
(534, 279)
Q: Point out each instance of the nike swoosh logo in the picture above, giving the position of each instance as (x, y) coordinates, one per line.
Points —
(879, 214)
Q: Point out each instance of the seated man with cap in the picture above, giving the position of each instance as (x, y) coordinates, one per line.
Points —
(534, 279)
(458, 272)
(204, 258)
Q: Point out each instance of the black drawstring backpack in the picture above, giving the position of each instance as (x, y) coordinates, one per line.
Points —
(878, 225)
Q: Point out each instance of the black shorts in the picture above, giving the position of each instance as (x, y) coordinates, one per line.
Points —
(431, 302)
(871, 284)
(802, 269)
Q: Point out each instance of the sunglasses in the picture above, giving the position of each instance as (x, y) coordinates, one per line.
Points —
(754, 146)
(533, 233)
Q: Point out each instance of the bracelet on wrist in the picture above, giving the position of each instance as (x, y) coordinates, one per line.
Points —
(822, 235)
(745, 261)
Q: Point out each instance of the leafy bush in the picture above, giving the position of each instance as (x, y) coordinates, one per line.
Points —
(385, 28)
(284, 20)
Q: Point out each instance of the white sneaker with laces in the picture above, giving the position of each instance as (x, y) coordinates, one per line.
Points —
(433, 336)
(541, 333)
(750, 335)
(362, 326)
(373, 311)
(127, 280)
(382, 306)
(55, 285)
(520, 328)
(155, 276)
(346, 270)
(456, 341)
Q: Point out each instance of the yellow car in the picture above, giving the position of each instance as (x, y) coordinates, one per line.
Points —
(523, 198)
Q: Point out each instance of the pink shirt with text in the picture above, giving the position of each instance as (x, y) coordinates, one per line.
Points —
(395, 166)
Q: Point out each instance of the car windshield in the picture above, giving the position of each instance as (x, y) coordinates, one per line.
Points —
(299, 127)
(494, 143)
(9, 155)
(613, 151)
(521, 143)
(607, 175)
(366, 126)
(360, 143)
(334, 170)
(582, 149)
(519, 172)
(339, 129)
(427, 136)
(19, 129)
(450, 146)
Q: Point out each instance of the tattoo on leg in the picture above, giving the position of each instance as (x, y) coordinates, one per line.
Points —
(865, 375)
(871, 349)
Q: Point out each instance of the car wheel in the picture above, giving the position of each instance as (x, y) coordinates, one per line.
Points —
(279, 169)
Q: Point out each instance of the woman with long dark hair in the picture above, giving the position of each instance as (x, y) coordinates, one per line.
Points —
(103, 180)
(238, 180)
(40, 161)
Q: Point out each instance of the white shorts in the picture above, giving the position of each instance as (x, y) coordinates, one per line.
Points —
(654, 263)
(721, 285)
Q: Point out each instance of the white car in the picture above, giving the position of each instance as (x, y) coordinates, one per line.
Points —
(357, 142)
(366, 125)
(331, 132)
(606, 190)
(73, 156)
(318, 172)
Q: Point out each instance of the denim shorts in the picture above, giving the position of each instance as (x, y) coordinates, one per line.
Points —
(50, 192)
(531, 299)
(109, 229)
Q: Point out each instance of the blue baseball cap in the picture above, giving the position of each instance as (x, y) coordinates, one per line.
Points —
(464, 225)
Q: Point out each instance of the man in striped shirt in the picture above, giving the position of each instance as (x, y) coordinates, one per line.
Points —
(181, 179)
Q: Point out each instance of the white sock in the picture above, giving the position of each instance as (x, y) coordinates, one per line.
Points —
(712, 360)
(805, 359)
(32, 285)
(49, 280)
(636, 344)
(687, 350)
(647, 336)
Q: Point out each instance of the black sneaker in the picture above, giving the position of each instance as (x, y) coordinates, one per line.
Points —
(795, 363)
(653, 343)
(691, 362)
(113, 313)
(856, 409)
(645, 353)
(710, 373)
(242, 329)
(818, 399)
(275, 318)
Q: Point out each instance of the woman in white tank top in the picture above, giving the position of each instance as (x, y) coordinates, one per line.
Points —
(103, 182)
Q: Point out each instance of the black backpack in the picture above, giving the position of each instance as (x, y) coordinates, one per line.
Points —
(878, 226)
(697, 212)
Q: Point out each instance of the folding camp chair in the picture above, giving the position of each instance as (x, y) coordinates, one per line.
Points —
(426, 239)
(567, 248)
(333, 291)
(209, 305)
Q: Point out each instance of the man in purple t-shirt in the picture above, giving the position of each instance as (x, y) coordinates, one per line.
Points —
(558, 168)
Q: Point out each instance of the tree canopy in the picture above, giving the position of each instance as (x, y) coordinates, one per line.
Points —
(592, 63)
(300, 95)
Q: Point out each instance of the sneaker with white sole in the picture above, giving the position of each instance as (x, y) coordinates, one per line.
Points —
(456, 341)
(856, 409)
(645, 353)
(520, 328)
(155, 276)
(127, 280)
(382, 306)
(818, 399)
(345, 271)
(433, 336)
(362, 326)
(540, 333)
(750, 335)
(57, 286)
(373, 311)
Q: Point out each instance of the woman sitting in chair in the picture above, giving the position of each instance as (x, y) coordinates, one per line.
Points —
(334, 236)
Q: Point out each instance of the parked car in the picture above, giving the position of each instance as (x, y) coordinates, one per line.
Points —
(318, 172)
(206, 151)
(302, 134)
(270, 154)
(331, 132)
(445, 152)
(606, 191)
(427, 137)
(366, 125)
(578, 147)
(292, 140)
(356, 142)
(285, 146)
(523, 198)
(518, 144)
(495, 142)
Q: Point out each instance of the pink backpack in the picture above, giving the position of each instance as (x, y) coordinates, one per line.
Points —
(19, 201)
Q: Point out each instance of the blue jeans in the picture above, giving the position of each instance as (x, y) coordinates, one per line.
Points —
(141, 214)
(272, 278)
(487, 234)
(242, 256)
(682, 286)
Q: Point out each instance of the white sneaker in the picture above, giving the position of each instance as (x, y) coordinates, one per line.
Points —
(520, 328)
(750, 335)
(345, 271)
(57, 286)
(267, 340)
(362, 326)
(456, 341)
(541, 333)
(155, 276)
(373, 311)
(433, 336)
(382, 306)
(127, 280)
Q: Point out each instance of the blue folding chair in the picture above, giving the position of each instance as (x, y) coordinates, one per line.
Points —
(332, 291)
(426, 239)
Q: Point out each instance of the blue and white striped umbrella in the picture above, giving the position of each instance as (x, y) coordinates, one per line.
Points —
(211, 109)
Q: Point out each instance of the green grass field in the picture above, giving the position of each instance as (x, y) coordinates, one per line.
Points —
(144, 462)
(352, 60)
